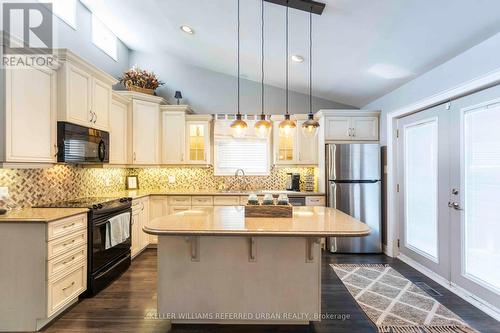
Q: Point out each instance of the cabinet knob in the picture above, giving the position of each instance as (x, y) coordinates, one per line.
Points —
(134, 156)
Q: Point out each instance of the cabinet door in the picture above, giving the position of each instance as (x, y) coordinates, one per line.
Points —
(338, 128)
(198, 142)
(30, 115)
(307, 147)
(144, 222)
(173, 138)
(146, 130)
(285, 145)
(101, 104)
(135, 248)
(364, 128)
(158, 207)
(78, 96)
(118, 133)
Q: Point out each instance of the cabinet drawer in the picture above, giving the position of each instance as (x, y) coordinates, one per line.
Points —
(227, 201)
(63, 262)
(179, 201)
(68, 243)
(202, 201)
(178, 209)
(203, 208)
(64, 289)
(315, 201)
(66, 226)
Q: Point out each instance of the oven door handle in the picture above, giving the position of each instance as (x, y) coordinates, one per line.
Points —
(111, 268)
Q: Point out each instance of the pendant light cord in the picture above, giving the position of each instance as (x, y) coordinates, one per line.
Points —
(262, 54)
(238, 57)
(286, 75)
(310, 61)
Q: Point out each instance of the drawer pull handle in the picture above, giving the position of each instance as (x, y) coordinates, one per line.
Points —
(69, 286)
(69, 225)
(68, 261)
(66, 244)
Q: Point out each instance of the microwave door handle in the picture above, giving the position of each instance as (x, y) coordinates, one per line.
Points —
(101, 151)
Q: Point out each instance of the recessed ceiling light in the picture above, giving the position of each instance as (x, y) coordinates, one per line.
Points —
(187, 29)
(297, 58)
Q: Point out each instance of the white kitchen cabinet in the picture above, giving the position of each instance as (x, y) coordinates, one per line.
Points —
(295, 148)
(29, 125)
(350, 125)
(198, 144)
(307, 147)
(158, 207)
(84, 94)
(140, 218)
(145, 132)
(118, 128)
(365, 128)
(173, 137)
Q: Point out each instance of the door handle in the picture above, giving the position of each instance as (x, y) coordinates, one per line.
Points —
(95, 120)
(91, 116)
(455, 205)
(349, 132)
(353, 132)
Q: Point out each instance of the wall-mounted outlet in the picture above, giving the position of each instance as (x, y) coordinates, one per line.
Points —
(171, 179)
(4, 192)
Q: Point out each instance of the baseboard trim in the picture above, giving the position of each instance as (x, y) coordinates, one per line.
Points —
(482, 305)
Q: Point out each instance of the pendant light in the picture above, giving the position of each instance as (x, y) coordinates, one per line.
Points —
(310, 126)
(238, 126)
(263, 126)
(287, 126)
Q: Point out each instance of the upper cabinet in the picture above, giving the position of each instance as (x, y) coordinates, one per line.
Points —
(118, 130)
(198, 146)
(85, 92)
(144, 127)
(29, 126)
(173, 119)
(294, 148)
(350, 125)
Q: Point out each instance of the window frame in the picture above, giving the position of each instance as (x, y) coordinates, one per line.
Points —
(73, 25)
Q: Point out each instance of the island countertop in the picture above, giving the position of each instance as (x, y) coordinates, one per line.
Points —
(231, 221)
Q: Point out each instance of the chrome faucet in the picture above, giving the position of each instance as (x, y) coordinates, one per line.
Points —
(242, 183)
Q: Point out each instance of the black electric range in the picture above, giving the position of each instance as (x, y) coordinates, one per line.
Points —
(104, 264)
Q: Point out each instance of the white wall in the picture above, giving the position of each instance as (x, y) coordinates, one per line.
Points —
(80, 42)
(212, 92)
(473, 63)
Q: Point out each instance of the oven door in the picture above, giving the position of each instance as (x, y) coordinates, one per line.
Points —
(79, 144)
(101, 256)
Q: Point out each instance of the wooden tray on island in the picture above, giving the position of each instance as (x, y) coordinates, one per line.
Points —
(269, 211)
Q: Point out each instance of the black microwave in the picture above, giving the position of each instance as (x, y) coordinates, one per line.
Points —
(81, 145)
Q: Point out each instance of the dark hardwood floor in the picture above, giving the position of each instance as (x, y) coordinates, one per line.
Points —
(128, 304)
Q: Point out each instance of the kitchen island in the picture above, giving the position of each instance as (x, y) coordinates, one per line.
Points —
(216, 266)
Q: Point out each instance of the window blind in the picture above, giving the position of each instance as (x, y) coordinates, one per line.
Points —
(249, 154)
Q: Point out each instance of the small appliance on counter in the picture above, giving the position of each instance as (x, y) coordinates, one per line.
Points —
(293, 182)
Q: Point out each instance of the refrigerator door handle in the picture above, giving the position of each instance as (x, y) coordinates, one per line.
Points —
(330, 158)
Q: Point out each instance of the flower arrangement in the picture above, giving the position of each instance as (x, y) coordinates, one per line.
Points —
(142, 79)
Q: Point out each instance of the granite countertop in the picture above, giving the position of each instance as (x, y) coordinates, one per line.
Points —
(43, 215)
(231, 221)
(144, 193)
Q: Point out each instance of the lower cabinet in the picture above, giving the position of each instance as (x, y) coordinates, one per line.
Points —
(140, 218)
(44, 266)
(158, 206)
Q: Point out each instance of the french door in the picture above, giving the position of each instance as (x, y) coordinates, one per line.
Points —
(449, 199)
(423, 188)
(475, 194)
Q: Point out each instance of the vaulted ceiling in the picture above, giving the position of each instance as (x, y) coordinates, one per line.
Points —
(363, 49)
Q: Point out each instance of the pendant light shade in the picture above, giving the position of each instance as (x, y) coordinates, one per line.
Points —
(238, 126)
(263, 126)
(311, 126)
(287, 126)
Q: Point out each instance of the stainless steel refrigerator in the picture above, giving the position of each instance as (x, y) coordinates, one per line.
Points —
(354, 187)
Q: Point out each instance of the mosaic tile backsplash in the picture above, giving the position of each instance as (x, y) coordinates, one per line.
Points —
(31, 187)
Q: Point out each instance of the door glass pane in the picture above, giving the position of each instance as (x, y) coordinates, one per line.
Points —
(421, 169)
(482, 188)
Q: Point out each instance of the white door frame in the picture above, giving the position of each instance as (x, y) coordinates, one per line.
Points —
(466, 88)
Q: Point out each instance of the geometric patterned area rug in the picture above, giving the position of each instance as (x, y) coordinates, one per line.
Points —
(394, 303)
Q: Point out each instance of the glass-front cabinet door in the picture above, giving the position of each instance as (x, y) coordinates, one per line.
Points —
(285, 144)
(198, 142)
